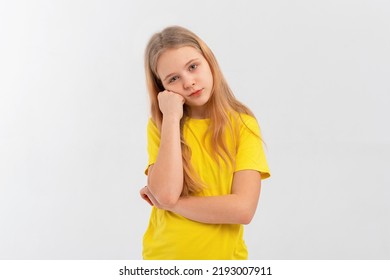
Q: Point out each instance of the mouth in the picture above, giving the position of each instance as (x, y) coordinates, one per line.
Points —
(196, 93)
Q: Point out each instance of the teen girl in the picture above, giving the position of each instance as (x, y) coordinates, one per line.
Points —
(206, 159)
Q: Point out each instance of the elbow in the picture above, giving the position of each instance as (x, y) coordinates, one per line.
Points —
(167, 200)
(246, 216)
(246, 219)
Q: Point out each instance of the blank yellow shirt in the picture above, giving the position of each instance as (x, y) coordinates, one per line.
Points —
(174, 237)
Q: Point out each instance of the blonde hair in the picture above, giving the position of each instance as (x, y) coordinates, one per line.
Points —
(221, 105)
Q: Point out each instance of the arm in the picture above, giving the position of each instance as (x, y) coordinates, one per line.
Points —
(165, 176)
(238, 207)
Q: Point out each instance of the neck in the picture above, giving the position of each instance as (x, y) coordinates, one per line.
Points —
(197, 113)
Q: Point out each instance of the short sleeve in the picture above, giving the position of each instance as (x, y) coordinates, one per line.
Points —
(153, 138)
(250, 152)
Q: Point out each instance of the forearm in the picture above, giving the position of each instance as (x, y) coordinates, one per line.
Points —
(165, 181)
(226, 209)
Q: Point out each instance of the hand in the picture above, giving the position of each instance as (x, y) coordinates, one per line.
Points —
(149, 198)
(144, 195)
(171, 103)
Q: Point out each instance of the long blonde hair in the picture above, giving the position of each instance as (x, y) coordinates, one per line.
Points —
(221, 105)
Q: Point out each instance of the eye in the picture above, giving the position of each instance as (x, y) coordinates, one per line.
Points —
(193, 67)
(173, 79)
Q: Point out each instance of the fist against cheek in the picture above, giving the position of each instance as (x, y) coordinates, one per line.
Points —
(171, 103)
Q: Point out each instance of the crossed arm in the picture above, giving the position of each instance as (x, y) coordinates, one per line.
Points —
(238, 207)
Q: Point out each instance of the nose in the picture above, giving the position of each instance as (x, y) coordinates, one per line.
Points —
(189, 82)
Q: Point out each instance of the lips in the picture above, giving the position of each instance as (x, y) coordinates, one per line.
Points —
(196, 93)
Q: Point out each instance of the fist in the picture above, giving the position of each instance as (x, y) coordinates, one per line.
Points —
(171, 103)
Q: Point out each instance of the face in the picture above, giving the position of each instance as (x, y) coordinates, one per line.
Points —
(185, 71)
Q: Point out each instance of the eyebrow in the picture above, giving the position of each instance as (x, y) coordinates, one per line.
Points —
(189, 62)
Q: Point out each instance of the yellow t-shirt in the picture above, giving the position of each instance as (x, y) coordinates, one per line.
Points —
(172, 236)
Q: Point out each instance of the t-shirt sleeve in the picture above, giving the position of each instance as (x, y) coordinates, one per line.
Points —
(153, 143)
(250, 152)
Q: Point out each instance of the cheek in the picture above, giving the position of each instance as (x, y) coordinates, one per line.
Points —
(167, 86)
(210, 78)
(175, 87)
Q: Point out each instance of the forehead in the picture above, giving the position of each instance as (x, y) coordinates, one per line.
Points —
(173, 60)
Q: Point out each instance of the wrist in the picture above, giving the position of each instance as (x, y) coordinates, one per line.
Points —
(171, 118)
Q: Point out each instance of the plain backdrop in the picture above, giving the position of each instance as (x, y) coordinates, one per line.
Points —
(74, 108)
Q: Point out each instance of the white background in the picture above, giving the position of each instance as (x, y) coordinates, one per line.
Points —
(74, 107)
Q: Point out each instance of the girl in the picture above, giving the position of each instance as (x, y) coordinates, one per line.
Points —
(206, 159)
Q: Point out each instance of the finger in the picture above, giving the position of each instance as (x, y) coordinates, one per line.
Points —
(142, 191)
(144, 195)
(151, 197)
(146, 198)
